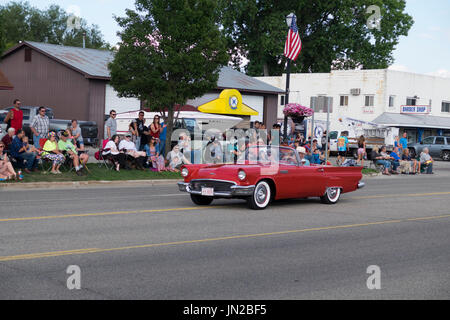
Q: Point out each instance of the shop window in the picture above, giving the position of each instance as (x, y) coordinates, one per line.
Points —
(369, 101)
(411, 101)
(343, 101)
(445, 106)
(391, 101)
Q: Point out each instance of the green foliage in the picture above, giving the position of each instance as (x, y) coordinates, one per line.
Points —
(22, 22)
(171, 51)
(334, 33)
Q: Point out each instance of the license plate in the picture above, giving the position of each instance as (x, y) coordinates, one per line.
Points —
(209, 192)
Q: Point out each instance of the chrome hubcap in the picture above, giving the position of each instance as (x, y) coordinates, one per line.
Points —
(261, 194)
(332, 193)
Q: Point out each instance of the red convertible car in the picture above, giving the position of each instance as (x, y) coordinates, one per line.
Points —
(268, 173)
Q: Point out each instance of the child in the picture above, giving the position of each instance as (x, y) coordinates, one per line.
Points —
(28, 147)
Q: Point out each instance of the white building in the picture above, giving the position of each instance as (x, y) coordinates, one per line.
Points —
(418, 104)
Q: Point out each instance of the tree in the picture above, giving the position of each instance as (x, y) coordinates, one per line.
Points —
(334, 34)
(171, 51)
(22, 22)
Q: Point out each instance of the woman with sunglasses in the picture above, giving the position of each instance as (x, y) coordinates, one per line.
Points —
(52, 153)
(6, 169)
(156, 128)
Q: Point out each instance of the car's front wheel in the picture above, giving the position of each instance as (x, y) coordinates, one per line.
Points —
(331, 196)
(446, 155)
(201, 200)
(261, 196)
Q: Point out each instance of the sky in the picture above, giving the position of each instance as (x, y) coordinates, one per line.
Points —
(426, 50)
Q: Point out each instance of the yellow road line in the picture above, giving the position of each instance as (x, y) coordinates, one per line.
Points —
(258, 235)
(99, 214)
(104, 214)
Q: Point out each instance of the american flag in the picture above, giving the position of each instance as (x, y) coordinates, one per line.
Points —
(293, 44)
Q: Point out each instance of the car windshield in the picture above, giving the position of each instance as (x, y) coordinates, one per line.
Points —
(271, 155)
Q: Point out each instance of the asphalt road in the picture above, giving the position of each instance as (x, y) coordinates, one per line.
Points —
(153, 243)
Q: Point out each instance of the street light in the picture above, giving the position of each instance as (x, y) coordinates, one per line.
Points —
(289, 19)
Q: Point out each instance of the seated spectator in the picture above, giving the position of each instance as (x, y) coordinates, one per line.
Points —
(70, 150)
(75, 134)
(380, 160)
(7, 139)
(406, 157)
(395, 158)
(302, 153)
(175, 159)
(29, 148)
(426, 161)
(386, 156)
(152, 150)
(112, 150)
(52, 153)
(18, 151)
(6, 169)
(129, 148)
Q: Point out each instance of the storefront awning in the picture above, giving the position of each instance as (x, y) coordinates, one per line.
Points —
(229, 102)
(413, 121)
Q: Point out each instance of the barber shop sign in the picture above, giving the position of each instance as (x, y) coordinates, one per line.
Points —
(415, 109)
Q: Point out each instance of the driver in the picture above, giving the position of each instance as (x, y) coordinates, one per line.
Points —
(302, 152)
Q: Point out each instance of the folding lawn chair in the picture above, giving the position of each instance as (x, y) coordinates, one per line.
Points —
(44, 162)
(101, 159)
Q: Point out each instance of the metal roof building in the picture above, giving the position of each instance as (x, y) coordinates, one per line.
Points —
(75, 83)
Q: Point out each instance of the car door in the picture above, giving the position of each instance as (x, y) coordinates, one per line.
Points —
(309, 181)
(426, 143)
(437, 147)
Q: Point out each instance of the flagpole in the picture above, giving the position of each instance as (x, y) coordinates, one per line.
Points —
(286, 100)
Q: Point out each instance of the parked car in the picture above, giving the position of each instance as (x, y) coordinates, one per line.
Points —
(438, 146)
(275, 173)
(89, 129)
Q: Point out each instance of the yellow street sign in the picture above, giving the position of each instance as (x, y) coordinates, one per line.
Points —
(229, 102)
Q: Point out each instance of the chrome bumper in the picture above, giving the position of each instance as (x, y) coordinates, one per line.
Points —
(235, 191)
(361, 185)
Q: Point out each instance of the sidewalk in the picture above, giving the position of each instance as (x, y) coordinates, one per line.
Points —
(83, 184)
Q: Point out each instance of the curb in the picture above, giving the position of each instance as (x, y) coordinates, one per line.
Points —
(79, 184)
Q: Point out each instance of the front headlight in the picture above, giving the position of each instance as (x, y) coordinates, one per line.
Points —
(185, 172)
(242, 175)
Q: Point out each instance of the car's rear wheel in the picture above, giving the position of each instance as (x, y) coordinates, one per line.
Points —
(331, 196)
(412, 152)
(201, 200)
(262, 195)
(445, 155)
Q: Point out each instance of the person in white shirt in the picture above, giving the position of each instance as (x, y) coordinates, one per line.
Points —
(128, 147)
(111, 150)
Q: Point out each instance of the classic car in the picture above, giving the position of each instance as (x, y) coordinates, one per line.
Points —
(265, 174)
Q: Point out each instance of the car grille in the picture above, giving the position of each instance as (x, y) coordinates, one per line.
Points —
(219, 186)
